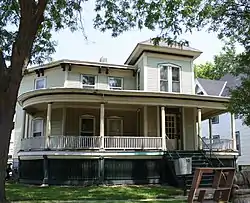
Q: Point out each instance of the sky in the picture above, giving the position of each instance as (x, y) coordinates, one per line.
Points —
(74, 45)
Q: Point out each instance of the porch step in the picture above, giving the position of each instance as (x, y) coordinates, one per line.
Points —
(198, 160)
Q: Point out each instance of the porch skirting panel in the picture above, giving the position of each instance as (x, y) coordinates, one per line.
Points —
(92, 171)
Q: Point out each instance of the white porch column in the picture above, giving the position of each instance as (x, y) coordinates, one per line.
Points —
(27, 130)
(145, 119)
(163, 128)
(210, 132)
(199, 129)
(158, 121)
(102, 126)
(233, 132)
(64, 111)
(24, 124)
(48, 124)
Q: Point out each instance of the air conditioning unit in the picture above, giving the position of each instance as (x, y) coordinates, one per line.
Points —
(102, 59)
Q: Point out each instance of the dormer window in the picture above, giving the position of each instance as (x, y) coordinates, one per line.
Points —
(169, 78)
(88, 81)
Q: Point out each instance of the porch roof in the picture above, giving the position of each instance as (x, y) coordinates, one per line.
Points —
(216, 104)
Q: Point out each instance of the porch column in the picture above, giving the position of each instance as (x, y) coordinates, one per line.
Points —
(233, 132)
(64, 111)
(145, 119)
(24, 124)
(199, 129)
(210, 133)
(102, 126)
(27, 130)
(158, 121)
(163, 128)
(48, 124)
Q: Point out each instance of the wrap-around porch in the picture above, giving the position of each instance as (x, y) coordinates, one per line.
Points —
(86, 126)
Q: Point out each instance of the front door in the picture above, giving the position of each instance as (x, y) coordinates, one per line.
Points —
(171, 132)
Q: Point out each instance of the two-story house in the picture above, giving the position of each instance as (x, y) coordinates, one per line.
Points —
(79, 121)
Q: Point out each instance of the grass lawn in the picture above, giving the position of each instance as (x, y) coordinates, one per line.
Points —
(18, 192)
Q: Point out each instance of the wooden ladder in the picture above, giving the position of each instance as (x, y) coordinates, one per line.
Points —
(221, 187)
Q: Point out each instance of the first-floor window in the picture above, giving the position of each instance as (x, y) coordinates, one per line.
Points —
(37, 127)
(115, 83)
(88, 81)
(40, 83)
(87, 125)
(115, 126)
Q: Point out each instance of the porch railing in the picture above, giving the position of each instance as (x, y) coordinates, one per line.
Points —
(218, 144)
(33, 143)
(90, 142)
(132, 142)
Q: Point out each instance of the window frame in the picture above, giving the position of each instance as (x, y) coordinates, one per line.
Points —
(86, 117)
(113, 118)
(115, 88)
(40, 78)
(32, 126)
(169, 80)
(88, 86)
(217, 121)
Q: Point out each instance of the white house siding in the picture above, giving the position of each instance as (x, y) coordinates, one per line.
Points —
(153, 78)
(54, 78)
(224, 130)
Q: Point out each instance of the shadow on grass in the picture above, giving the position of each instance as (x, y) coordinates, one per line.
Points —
(18, 192)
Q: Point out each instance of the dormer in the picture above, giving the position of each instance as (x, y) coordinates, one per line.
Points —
(163, 67)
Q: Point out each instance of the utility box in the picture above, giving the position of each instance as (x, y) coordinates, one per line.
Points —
(183, 166)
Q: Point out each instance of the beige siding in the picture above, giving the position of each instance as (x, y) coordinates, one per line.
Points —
(190, 128)
(152, 121)
(74, 77)
(140, 66)
(55, 77)
(73, 120)
(153, 78)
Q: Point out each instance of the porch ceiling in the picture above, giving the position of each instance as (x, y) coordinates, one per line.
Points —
(112, 98)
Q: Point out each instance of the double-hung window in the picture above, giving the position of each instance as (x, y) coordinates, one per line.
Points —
(169, 78)
(115, 83)
(40, 83)
(88, 81)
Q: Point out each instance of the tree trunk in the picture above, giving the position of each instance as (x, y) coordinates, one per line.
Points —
(31, 17)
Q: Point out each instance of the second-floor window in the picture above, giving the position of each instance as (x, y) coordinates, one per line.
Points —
(169, 78)
(88, 81)
(40, 83)
(115, 83)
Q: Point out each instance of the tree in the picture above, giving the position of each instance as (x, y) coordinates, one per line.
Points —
(223, 63)
(26, 35)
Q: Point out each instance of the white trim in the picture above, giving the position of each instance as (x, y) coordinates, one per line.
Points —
(183, 128)
(114, 118)
(32, 125)
(66, 76)
(44, 78)
(145, 72)
(86, 116)
(89, 86)
(116, 88)
(92, 154)
(200, 86)
(223, 88)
